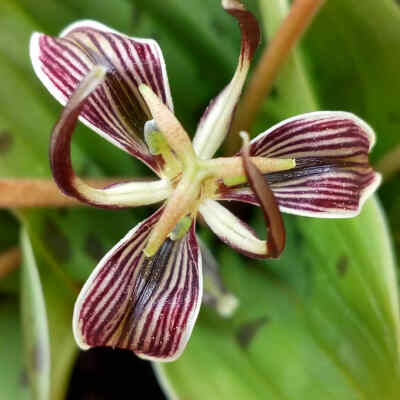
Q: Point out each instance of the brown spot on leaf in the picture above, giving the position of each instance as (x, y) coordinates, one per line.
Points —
(37, 357)
(63, 212)
(24, 378)
(248, 330)
(274, 93)
(57, 241)
(342, 265)
(6, 141)
(94, 248)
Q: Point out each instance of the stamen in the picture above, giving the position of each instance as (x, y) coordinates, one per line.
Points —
(181, 203)
(231, 170)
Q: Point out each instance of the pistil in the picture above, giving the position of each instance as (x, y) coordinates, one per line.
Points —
(182, 203)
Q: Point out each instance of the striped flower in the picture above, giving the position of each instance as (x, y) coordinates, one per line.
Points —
(145, 293)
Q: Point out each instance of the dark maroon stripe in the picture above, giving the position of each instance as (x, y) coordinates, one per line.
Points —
(320, 202)
(54, 46)
(135, 104)
(313, 149)
(168, 311)
(96, 295)
(111, 40)
(143, 296)
(111, 286)
(297, 127)
(317, 140)
(172, 347)
(142, 51)
(47, 54)
(141, 341)
(87, 111)
(262, 146)
(194, 294)
(167, 303)
(143, 230)
(123, 294)
(97, 119)
(318, 191)
(58, 71)
(115, 130)
(303, 126)
(244, 198)
(312, 183)
(91, 114)
(117, 88)
(128, 48)
(120, 291)
(56, 85)
(74, 55)
(154, 346)
(105, 107)
(157, 70)
(267, 140)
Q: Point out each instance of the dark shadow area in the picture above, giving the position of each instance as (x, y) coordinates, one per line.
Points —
(105, 374)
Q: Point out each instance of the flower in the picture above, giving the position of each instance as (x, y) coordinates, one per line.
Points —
(145, 293)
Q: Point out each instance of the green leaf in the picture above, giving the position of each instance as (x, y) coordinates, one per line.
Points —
(13, 376)
(76, 239)
(59, 295)
(34, 323)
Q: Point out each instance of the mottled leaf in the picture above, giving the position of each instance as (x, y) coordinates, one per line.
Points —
(34, 324)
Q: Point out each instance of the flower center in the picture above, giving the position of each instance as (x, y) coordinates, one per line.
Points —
(181, 208)
(193, 180)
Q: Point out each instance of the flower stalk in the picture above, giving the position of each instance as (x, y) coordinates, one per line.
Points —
(28, 193)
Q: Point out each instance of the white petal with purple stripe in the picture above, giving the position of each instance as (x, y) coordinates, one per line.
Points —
(217, 118)
(147, 305)
(115, 110)
(332, 177)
